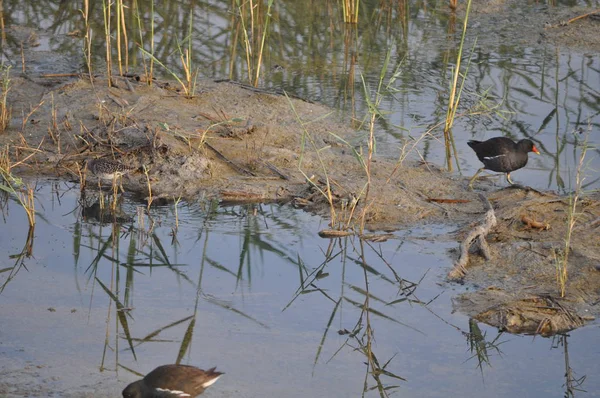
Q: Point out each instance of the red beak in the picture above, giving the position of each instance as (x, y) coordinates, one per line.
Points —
(535, 150)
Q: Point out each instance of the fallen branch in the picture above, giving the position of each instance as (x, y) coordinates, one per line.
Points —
(444, 200)
(583, 16)
(477, 234)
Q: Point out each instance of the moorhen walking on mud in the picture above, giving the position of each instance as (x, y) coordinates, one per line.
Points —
(502, 155)
(170, 381)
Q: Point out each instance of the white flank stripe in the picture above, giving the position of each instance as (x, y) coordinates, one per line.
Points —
(176, 392)
(492, 157)
(211, 382)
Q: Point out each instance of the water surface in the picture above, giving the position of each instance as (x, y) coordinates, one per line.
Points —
(225, 293)
(253, 289)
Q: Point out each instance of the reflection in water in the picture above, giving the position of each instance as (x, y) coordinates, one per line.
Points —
(252, 290)
(533, 91)
(359, 338)
(480, 347)
(208, 285)
(572, 384)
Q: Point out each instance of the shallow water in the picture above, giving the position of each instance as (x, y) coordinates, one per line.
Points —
(223, 288)
(236, 271)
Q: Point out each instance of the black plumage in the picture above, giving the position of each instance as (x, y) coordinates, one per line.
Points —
(502, 155)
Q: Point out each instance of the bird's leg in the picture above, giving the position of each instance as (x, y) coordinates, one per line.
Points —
(121, 184)
(508, 179)
(100, 196)
(114, 187)
(474, 177)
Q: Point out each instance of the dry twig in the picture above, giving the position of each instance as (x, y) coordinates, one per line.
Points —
(477, 234)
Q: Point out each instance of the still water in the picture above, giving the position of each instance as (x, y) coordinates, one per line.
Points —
(253, 289)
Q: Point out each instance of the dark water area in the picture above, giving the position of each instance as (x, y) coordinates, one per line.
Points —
(252, 289)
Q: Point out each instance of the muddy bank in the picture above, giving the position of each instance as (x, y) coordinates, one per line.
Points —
(532, 24)
(234, 142)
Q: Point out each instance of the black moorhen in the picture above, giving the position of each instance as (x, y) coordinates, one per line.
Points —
(502, 154)
(170, 381)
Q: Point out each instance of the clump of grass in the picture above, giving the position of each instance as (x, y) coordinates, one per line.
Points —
(307, 139)
(14, 186)
(191, 75)
(189, 80)
(188, 84)
(251, 19)
(561, 258)
(5, 109)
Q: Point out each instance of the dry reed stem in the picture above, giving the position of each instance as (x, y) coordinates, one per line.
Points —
(87, 38)
(26, 118)
(572, 216)
(5, 109)
(122, 33)
(106, 8)
(583, 16)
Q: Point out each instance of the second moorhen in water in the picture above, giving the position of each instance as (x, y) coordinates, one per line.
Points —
(502, 155)
(170, 381)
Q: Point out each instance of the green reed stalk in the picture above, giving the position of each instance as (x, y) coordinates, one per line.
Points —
(106, 12)
(148, 66)
(262, 42)
(454, 98)
(247, 45)
(88, 37)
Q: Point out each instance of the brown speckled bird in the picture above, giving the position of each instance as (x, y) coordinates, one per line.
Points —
(171, 381)
(108, 169)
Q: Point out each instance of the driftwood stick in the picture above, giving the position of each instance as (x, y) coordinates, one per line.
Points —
(478, 235)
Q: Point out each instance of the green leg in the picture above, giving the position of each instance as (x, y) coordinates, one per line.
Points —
(508, 179)
(474, 177)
